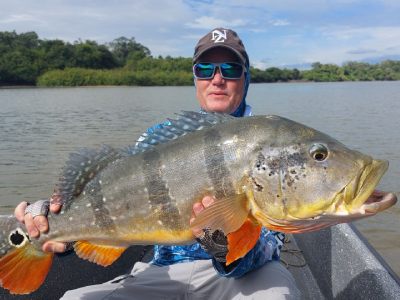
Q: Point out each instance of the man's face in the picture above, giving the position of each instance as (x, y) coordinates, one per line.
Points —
(219, 94)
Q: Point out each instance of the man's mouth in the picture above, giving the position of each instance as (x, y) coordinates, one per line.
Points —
(218, 93)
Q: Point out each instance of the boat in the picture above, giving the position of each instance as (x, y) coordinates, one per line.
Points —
(339, 264)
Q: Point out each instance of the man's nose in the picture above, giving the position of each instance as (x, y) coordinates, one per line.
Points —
(218, 79)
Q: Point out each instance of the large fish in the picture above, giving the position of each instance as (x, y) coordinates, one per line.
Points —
(263, 171)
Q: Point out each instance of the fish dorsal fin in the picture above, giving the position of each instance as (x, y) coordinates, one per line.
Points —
(81, 168)
(186, 123)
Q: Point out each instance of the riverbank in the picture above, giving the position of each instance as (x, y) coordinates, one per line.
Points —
(115, 86)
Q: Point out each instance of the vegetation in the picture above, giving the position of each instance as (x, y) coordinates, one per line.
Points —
(26, 59)
(89, 77)
(273, 75)
(354, 71)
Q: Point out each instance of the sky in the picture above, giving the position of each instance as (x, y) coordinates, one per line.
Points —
(286, 33)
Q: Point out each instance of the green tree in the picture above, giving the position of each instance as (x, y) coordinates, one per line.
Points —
(122, 47)
(26, 59)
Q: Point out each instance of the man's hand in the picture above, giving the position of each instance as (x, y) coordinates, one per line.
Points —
(216, 243)
(197, 208)
(37, 225)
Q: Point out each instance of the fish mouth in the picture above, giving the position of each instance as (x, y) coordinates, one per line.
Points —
(359, 197)
(378, 201)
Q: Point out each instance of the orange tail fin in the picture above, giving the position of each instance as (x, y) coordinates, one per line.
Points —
(242, 240)
(24, 269)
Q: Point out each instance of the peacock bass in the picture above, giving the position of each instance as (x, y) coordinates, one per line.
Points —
(263, 171)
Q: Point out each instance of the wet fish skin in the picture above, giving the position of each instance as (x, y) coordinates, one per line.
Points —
(261, 170)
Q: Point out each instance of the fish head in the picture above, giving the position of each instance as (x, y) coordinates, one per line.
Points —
(305, 180)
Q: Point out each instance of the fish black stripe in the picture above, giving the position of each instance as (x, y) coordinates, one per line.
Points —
(100, 212)
(157, 189)
(216, 166)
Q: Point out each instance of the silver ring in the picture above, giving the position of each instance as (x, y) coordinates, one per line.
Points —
(39, 208)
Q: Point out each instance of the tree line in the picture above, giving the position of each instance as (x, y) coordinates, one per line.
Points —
(27, 60)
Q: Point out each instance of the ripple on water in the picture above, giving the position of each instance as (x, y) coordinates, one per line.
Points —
(40, 127)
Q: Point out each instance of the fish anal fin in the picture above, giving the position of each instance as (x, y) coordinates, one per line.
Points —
(24, 269)
(226, 214)
(103, 255)
(243, 240)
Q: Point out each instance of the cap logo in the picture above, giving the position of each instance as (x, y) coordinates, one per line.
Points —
(218, 36)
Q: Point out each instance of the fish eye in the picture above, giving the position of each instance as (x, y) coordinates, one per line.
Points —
(319, 152)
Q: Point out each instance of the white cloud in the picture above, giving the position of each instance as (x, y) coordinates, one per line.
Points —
(20, 18)
(280, 23)
(94, 15)
(257, 30)
(259, 65)
(361, 51)
(292, 31)
(378, 32)
(211, 23)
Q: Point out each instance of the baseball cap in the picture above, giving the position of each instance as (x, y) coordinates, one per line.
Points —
(221, 37)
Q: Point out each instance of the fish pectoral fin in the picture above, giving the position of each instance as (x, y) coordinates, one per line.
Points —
(226, 214)
(103, 255)
(24, 269)
(243, 240)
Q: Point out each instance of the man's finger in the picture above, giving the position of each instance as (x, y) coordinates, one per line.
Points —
(197, 233)
(30, 226)
(55, 247)
(19, 211)
(207, 201)
(197, 208)
(54, 207)
(41, 223)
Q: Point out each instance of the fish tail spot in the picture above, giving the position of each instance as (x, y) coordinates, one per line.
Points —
(24, 269)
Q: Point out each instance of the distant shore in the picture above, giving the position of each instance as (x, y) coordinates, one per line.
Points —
(113, 86)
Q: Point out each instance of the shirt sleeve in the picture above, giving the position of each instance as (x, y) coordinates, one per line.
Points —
(267, 248)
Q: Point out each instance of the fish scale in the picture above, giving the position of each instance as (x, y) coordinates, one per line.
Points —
(262, 171)
(154, 207)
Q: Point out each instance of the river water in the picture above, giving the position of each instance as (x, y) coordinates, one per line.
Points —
(40, 127)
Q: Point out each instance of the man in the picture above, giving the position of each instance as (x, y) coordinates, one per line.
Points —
(197, 271)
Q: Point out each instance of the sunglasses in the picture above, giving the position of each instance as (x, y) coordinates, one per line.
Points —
(228, 70)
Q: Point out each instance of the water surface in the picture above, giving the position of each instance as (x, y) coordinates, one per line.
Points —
(40, 127)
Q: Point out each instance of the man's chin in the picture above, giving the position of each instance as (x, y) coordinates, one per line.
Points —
(220, 108)
(221, 111)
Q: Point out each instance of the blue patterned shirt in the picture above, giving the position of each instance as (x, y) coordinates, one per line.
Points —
(266, 249)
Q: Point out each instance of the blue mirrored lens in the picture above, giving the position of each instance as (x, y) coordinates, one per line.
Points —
(231, 70)
(228, 70)
(204, 70)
